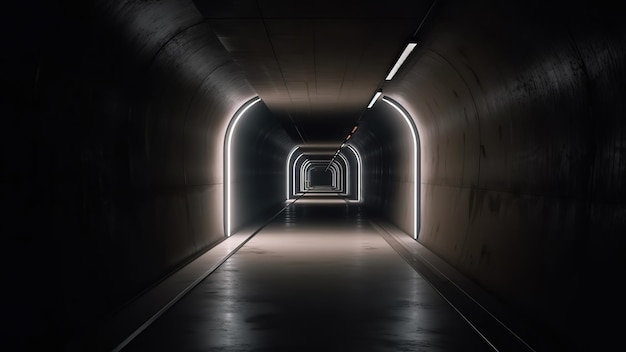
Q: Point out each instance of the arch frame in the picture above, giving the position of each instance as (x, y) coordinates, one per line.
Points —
(416, 161)
(228, 139)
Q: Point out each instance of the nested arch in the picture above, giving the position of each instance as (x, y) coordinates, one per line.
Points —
(416, 161)
(366, 186)
(347, 177)
(389, 147)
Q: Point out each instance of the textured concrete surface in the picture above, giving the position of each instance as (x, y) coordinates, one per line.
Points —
(316, 279)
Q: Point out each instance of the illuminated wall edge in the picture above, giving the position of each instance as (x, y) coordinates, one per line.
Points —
(359, 171)
(304, 167)
(293, 178)
(290, 180)
(287, 174)
(230, 131)
(416, 184)
(337, 171)
(347, 185)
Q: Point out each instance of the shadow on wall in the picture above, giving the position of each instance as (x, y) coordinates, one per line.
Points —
(520, 108)
(113, 154)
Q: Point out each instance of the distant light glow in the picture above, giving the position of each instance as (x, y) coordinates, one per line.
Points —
(297, 177)
(229, 138)
(321, 201)
(415, 161)
(405, 54)
(305, 172)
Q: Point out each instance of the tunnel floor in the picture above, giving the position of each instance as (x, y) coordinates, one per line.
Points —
(319, 277)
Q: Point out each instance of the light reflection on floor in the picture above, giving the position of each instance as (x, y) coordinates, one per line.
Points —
(318, 278)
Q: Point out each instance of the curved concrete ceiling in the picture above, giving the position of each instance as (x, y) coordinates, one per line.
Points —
(315, 65)
(116, 113)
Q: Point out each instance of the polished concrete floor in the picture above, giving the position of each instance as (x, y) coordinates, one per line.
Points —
(317, 278)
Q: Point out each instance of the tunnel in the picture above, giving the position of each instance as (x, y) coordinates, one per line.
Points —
(432, 175)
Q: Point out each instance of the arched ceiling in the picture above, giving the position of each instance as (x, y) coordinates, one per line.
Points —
(316, 64)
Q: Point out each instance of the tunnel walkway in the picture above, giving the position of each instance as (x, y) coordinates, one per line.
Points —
(319, 277)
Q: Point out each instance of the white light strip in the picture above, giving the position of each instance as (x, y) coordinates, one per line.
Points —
(347, 179)
(340, 175)
(303, 179)
(338, 170)
(337, 173)
(359, 171)
(305, 170)
(407, 50)
(229, 138)
(415, 156)
(287, 174)
(293, 176)
(369, 106)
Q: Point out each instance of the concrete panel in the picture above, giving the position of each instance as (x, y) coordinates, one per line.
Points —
(119, 111)
(531, 94)
(206, 221)
(258, 157)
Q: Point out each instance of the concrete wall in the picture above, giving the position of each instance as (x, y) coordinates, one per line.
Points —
(114, 118)
(113, 132)
(260, 149)
(521, 111)
(386, 145)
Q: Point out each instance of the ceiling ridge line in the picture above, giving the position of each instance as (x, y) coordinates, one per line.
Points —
(280, 69)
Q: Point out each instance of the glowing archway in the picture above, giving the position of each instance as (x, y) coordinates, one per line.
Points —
(416, 185)
(359, 171)
(227, 162)
(287, 174)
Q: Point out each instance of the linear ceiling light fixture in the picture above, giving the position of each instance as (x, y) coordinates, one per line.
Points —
(379, 92)
(407, 51)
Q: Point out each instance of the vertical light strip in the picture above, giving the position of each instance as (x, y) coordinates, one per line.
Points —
(339, 174)
(347, 179)
(287, 174)
(303, 178)
(415, 160)
(307, 172)
(333, 172)
(293, 176)
(229, 138)
(336, 169)
(359, 162)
